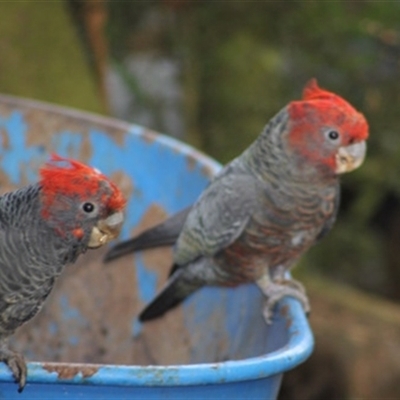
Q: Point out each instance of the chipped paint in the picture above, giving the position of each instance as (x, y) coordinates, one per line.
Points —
(148, 136)
(191, 162)
(285, 313)
(69, 371)
(207, 171)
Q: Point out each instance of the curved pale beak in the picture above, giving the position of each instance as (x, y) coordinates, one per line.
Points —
(106, 230)
(350, 157)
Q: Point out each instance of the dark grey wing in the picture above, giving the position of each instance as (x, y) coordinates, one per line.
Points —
(163, 234)
(218, 217)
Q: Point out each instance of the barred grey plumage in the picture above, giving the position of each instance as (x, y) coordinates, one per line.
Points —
(266, 207)
(44, 227)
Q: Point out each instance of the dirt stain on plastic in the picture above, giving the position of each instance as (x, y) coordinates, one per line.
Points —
(69, 371)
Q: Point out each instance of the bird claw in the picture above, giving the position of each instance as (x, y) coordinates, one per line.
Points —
(275, 291)
(17, 364)
(267, 314)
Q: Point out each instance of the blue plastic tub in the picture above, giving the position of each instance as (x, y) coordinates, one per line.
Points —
(86, 343)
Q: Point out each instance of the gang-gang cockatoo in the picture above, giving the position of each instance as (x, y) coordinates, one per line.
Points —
(44, 227)
(265, 208)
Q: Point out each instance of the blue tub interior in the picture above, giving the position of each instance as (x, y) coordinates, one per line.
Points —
(90, 317)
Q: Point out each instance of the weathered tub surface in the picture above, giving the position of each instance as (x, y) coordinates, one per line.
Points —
(86, 342)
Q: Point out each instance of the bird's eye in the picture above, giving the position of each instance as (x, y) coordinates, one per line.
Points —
(88, 207)
(333, 135)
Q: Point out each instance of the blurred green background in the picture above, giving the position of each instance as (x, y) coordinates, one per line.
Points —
(212, 74)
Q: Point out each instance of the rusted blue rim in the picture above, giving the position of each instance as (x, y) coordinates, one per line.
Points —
(298, 349)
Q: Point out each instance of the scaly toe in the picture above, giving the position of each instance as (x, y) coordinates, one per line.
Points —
(268, 313)
(17, 365)
(292, 283)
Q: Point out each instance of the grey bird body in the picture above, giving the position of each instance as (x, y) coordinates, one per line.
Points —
(268, 206)
(23, 290)
(44, 227)
(253, 220)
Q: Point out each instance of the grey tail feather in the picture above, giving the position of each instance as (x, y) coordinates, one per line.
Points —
(176, 290)
(164, 234)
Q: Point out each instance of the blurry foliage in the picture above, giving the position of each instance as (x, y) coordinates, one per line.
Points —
(243, 61)
(41, 56)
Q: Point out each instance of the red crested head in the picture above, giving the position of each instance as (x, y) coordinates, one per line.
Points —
(322, 125)
(81, 201)
(62, 176)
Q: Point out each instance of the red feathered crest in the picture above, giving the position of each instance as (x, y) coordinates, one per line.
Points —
(330, 107)
(65, 176)
(313, 92)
